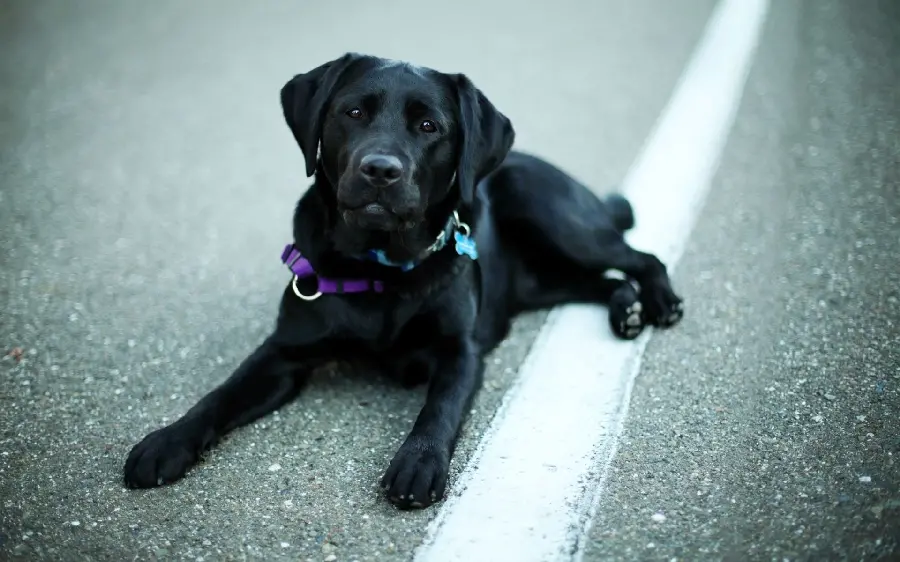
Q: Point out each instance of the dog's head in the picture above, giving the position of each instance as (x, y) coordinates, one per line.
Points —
(400, 146)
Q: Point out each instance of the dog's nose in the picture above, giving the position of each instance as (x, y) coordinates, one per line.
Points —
(381, 169)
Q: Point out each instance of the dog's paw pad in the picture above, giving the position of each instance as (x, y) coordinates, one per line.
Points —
(634, 319)
(627, 321)
(672, 316)
(663, 308)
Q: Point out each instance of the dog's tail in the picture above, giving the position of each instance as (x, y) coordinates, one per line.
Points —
(621, 212)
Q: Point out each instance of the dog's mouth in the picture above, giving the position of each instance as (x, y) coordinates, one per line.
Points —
(375, 216)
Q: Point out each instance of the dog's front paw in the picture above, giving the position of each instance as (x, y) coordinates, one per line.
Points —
(662, 307)
(417, 477)
(163, 456)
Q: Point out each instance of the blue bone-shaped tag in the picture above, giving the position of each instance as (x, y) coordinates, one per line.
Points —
(465, 245)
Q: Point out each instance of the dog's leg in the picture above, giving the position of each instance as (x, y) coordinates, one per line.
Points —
(540, 289)
(544, 211)
(264, 381)
(417, 476)
(604, 249)
(661, 306)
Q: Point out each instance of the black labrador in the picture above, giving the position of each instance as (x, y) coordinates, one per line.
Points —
(420, 239)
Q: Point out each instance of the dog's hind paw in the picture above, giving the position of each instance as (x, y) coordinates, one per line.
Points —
(676, 313)
(663, 308)
(626, 313)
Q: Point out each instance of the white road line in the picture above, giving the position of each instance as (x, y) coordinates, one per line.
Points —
(536, 480)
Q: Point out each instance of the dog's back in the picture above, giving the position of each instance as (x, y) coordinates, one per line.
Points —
(526, 186)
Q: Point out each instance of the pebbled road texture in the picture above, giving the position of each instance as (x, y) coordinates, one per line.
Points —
(766, 426)
(146, 187)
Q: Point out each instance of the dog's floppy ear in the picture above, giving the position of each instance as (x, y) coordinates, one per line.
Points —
(304, 100)
(486, 137)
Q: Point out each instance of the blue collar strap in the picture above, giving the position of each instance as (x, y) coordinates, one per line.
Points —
(455, 229)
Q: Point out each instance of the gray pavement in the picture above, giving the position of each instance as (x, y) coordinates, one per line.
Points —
(766, 426)
(146, 188)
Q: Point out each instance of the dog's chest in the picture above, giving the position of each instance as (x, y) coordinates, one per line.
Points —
(380, 329)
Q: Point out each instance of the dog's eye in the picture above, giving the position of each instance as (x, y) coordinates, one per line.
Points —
(354, 113)
(428, 126)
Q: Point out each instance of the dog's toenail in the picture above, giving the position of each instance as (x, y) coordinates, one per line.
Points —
(633, 320)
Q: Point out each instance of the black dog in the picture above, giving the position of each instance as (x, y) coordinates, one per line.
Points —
(419, 241)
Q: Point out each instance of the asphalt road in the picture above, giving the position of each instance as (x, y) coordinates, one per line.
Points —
(766, 426)
(146, 187)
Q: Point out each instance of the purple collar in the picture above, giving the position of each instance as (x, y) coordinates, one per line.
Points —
(301, 268)
(456, 230)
